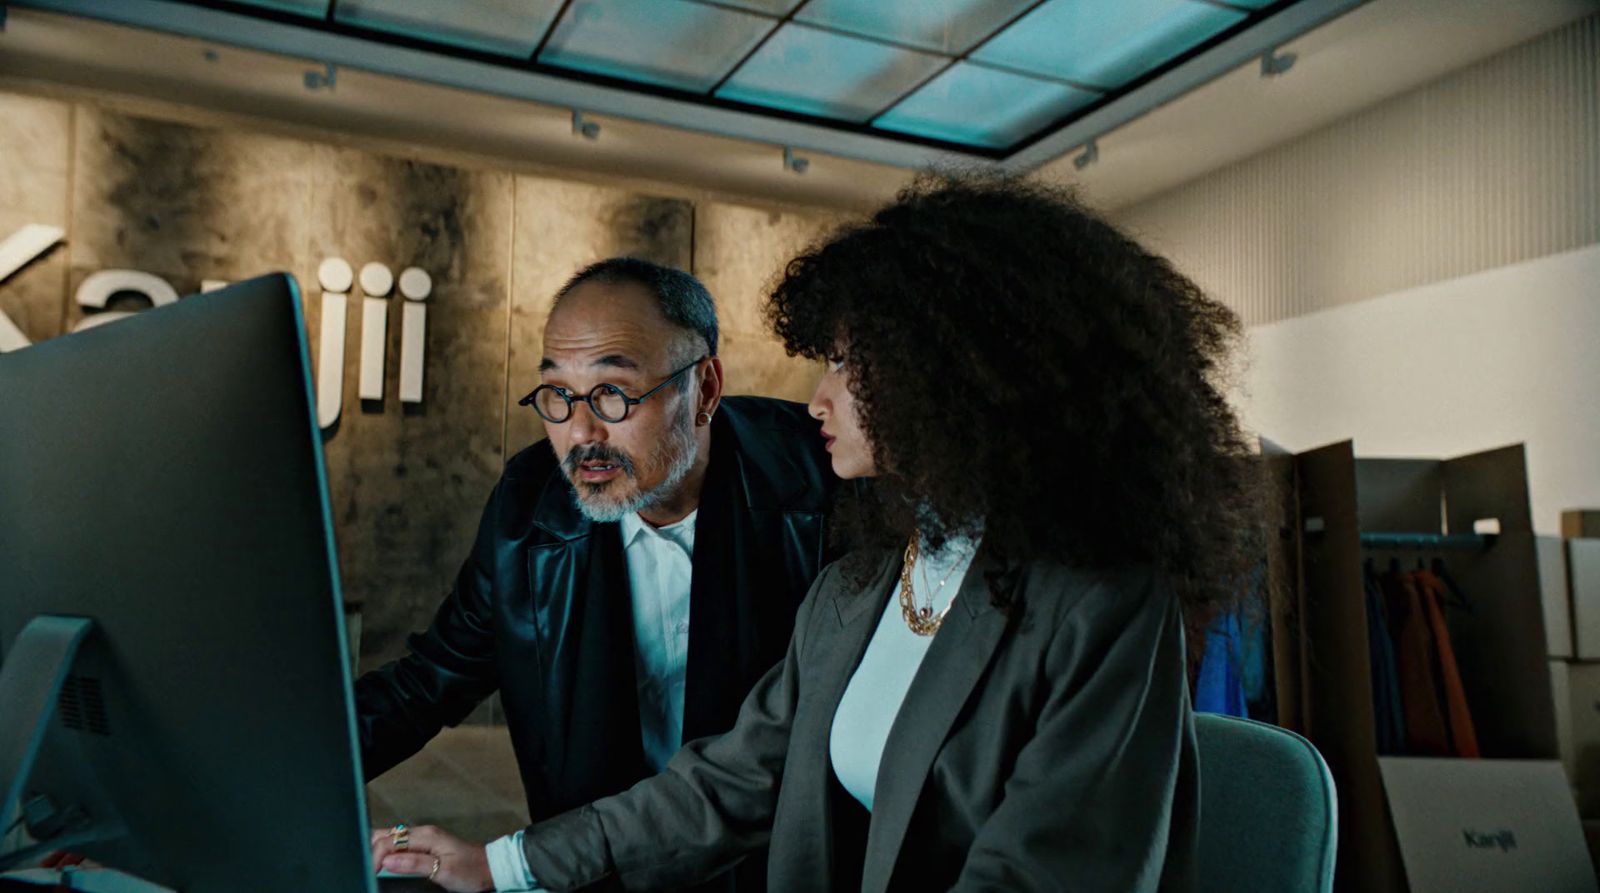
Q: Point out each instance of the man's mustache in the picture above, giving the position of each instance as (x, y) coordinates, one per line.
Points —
(597, 452)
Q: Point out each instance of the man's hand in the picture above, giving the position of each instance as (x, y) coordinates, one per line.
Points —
(461, 867)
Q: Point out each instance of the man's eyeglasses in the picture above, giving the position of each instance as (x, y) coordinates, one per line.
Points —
(606, 401)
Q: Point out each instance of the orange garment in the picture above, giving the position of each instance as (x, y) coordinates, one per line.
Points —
(1426, 731)
(1463, 736)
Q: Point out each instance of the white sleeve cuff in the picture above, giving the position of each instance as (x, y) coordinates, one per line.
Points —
(509, 865)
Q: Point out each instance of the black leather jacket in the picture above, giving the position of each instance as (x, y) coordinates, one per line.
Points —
(541, 612)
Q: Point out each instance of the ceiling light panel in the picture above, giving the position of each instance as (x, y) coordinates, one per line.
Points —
(506, 27)
(1105, 44)
(983, 106)
(827, 74)
(770, 7)
(672, 43)
(951, 27)
(317, 8)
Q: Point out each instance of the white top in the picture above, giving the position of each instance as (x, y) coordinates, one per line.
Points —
(660, 573)
(872, 700)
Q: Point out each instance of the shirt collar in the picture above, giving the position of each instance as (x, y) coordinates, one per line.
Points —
(633, 526)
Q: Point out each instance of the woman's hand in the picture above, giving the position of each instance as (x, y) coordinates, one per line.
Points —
(60, 859)
(435, 854)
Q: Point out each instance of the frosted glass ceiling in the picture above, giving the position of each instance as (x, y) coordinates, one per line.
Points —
(988, 76)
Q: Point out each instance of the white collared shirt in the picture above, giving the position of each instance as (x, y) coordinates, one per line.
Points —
(660, 574)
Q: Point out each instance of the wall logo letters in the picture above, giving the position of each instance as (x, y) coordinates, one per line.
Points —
(336, 279)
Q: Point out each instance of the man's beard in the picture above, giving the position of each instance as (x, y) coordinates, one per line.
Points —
(617, 498)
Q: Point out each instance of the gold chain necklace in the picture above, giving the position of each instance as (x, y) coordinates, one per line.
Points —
(922, 620)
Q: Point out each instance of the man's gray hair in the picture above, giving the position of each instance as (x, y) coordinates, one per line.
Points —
(683, 299)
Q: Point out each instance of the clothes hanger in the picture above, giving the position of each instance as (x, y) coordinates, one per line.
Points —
(1454, 595)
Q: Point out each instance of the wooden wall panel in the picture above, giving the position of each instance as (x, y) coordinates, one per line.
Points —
(739, 252)
(34, 188)
(561, 228)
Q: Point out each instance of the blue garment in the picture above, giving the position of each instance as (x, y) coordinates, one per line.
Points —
(1387, 707)
(1220, 686)
(1252, 669)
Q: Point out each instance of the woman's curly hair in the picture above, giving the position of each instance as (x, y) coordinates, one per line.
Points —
(1016, 359)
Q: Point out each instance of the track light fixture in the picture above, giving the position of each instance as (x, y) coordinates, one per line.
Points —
(326, 79)
(793, 162)
(1089, 155)
(1274, 63)
(581, 126)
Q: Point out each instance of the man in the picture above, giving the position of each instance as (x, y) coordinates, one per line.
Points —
(634, 574)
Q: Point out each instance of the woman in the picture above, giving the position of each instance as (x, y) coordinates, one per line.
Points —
(992, 694)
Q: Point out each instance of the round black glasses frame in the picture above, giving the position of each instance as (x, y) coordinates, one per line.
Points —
(599, 390)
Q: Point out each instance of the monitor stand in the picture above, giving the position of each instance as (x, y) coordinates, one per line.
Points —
(31, 681)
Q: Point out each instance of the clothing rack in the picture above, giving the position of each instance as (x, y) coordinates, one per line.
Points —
(1463, 541)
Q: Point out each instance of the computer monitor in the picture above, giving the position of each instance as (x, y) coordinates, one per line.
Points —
(170, 605)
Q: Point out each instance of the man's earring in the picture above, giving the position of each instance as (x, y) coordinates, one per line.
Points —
(702, 418)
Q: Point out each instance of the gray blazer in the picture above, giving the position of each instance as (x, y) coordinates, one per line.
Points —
(1045, 746)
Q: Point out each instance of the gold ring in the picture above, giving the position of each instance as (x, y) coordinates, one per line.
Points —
(401, 836)
(435, 868)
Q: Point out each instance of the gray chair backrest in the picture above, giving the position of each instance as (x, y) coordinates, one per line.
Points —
(1268, 811)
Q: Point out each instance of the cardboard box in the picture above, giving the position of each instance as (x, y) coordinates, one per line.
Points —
(1486, 826)
(1583, 523)
(1561, 690)
(1555, 593)
(1409, 511)
(1581, 748)
(1583, 584)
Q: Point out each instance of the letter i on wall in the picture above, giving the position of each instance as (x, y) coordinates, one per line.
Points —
(336, 277)
(415, 285)
(376, 283)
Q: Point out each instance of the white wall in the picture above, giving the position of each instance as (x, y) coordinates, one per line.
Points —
(1504, 356)
(1491, 165)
